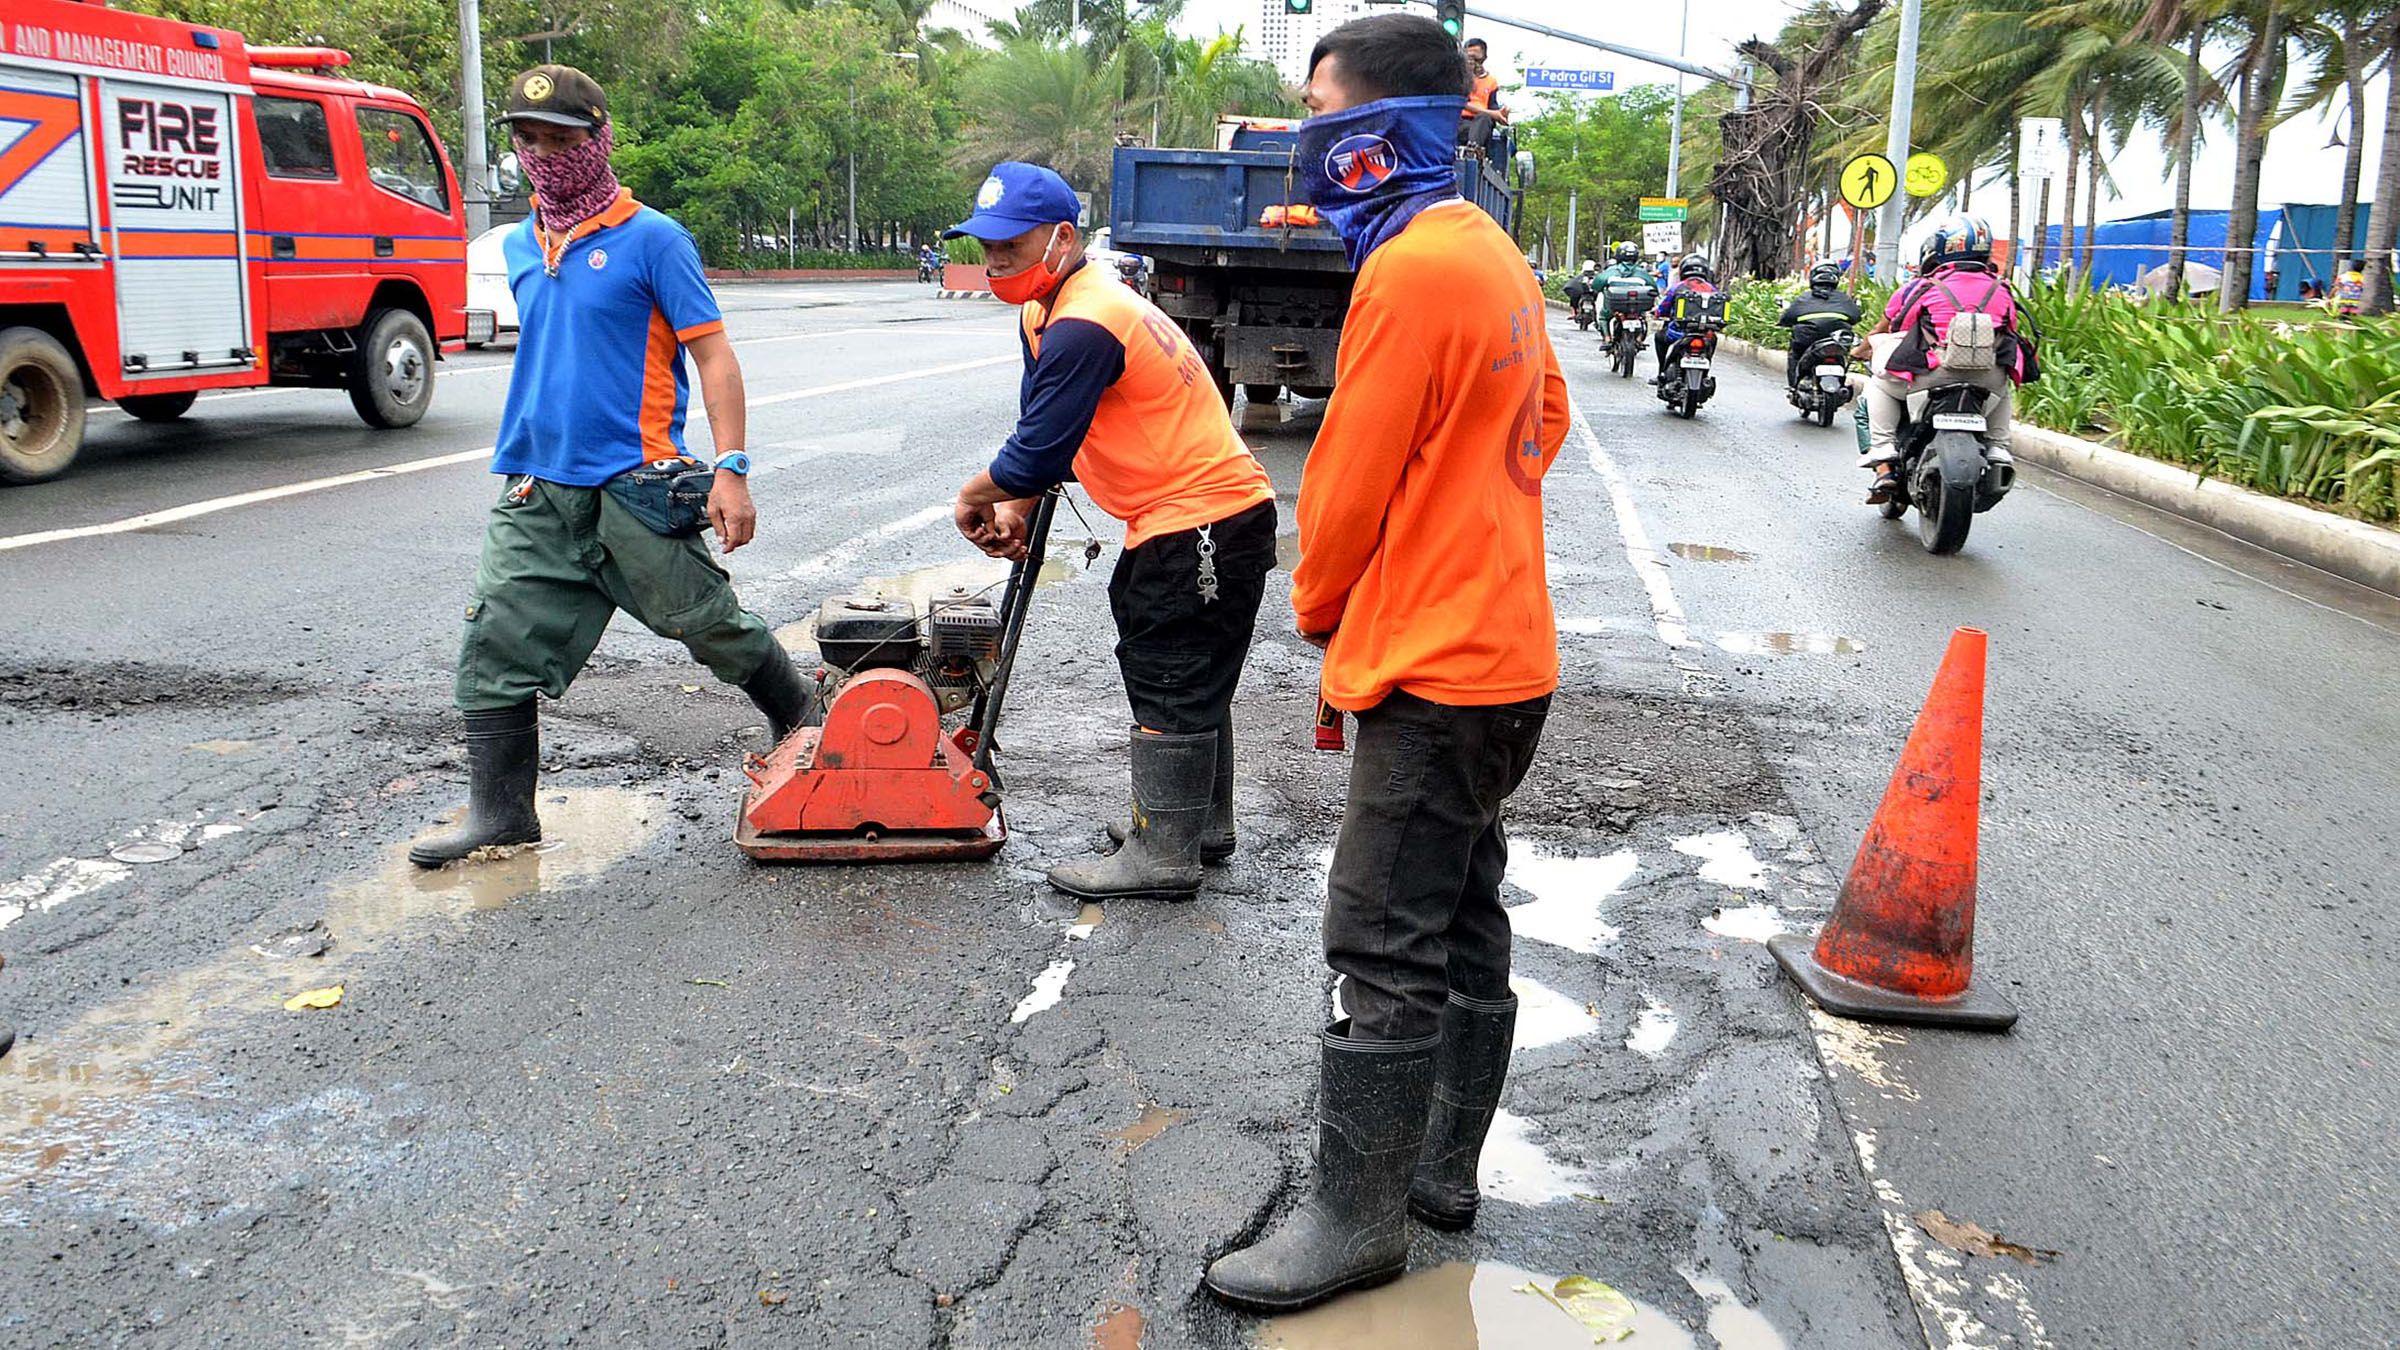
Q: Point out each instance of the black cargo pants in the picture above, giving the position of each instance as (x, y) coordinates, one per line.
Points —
(1413, 907)
(1186, 606)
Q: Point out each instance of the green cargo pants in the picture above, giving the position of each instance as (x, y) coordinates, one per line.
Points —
(557, 562)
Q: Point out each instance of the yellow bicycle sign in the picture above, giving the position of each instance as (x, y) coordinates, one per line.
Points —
(1869, 181)
(1927, 174)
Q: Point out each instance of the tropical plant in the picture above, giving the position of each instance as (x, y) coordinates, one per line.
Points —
(1052, 105)
(1605, 154)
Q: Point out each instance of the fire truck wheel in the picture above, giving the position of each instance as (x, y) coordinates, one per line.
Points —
(41, 406)
(391, 375)
(158, 407)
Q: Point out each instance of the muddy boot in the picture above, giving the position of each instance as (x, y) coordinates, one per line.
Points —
(1172, 801)
(503, 757)
(787, 700)
(1352, 1231)
(1468, 1074)
(8, 1037)
(1217, 842)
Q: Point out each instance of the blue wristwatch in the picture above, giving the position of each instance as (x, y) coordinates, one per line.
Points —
(736, 462)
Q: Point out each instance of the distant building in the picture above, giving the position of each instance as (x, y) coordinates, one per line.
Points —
(971, 17)
(1285, 40)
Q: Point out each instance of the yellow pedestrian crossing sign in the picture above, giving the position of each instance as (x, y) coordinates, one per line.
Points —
(1869, 181)
(1927, 174)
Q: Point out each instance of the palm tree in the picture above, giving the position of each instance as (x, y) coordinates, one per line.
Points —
(2383, 222)
(2259, 74)
(2344, 38)
(1053, 105)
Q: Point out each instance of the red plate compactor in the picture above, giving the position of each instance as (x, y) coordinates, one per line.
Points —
(884, 779)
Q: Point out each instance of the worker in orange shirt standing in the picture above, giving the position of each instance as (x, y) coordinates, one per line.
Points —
(1116, 398)
(1483, 110)
(1421, 574)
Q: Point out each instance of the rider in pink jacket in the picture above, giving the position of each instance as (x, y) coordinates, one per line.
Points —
(1956, 277)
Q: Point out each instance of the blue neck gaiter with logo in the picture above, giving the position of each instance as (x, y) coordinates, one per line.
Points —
(1372, 168)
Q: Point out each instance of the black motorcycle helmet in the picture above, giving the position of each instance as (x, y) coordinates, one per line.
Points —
(1629, 254)
(1825, 276)
(1694, 268)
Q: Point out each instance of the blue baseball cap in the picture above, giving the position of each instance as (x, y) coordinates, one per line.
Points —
(1016, 198)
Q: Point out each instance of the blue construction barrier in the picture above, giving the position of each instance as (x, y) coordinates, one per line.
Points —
(2300, 235)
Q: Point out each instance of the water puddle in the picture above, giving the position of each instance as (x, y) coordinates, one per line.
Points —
(1710, 553)
(87, 1083)
(1484, 1305)
(1790, 644)
(1518, 1169)
(1048, 988)
(1568, 894)
(1725, 858)
(1087, 919)
(1731, 1324)
(1546, 1016)
(1653, 1030)
(1748, 923)
(56, 883)
(1154, 1121)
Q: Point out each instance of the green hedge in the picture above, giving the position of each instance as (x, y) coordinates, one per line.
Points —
(2299, 410)
(817, 259)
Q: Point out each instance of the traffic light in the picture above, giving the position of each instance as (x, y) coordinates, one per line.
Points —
(1451, 13)
(1299, 6)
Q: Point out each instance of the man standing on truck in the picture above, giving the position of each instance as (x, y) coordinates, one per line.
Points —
(1422, 576)
(1116, 398)
(1483, 97)
(600, 508)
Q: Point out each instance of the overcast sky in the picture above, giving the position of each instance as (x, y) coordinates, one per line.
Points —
(2299, 166)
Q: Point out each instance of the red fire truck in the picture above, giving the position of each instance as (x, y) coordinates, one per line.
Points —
(181, 212)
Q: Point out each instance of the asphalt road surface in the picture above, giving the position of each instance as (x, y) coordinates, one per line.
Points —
(633, 1089)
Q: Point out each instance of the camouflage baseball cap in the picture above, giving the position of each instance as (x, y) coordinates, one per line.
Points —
(561, 95)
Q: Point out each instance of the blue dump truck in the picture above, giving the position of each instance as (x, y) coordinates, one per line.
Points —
(1260, 287)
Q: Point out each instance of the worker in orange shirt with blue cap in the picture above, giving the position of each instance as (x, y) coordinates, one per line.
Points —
(1116, 398)
(1422, 576)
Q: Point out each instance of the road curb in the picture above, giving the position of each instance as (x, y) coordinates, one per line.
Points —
(2350, 549)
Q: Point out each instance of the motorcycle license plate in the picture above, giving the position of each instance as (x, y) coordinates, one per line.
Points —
(1958, 422)
(1695, 363)
(1834, 371)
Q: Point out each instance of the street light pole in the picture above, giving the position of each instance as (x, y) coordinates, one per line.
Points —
(850, 135)
(478, 192)
(1896, 141)
(1675, 123)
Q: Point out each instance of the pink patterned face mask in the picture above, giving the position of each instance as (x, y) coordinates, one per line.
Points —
(572, 186)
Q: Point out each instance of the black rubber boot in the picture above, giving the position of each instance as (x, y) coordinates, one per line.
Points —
(787, 700)
(1467, 1078)
(1352, 1231)
(503, 758)
(8, 1037)
(1172, 798)
(1217, 843)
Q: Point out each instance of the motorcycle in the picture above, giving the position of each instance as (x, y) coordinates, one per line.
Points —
(1628, 327)
(1824, 380)
(928, 270)
(1586, 312)
(1688, 379)
(1946, 468)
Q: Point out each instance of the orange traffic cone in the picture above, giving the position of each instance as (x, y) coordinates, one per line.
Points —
(1900, 946)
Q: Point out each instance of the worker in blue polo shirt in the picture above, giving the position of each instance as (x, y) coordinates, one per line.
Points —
(601, 508)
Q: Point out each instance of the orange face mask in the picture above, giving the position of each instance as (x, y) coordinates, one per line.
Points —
(1034, 281)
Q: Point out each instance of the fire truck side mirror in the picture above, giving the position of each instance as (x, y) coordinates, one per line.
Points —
(512, 177)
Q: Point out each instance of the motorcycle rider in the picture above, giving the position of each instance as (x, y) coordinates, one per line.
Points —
(1694, 280)
(1816, 315)
(1581, 287)
(1625, 273)
(1955, 276)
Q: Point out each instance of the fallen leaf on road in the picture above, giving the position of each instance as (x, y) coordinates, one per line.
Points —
(1602, 1311)
(713, 984)
(1975, 1240)
(327, 997)
(691, 689)
(773, 1298)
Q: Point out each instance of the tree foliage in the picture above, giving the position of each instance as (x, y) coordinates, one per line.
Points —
(1608, 152)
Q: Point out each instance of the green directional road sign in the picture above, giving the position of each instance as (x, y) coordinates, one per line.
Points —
(1664, 208)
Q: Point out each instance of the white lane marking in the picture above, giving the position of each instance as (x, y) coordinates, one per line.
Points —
(447, 370)
(153, 519)
(1665, 611)
(63, 879)
(1048, 988)
(848, 550)
(170, 515)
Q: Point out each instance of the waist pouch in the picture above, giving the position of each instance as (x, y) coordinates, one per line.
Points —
(670, 496)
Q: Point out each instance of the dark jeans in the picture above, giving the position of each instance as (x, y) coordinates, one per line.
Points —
(1413, 908)
(1180, 649)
